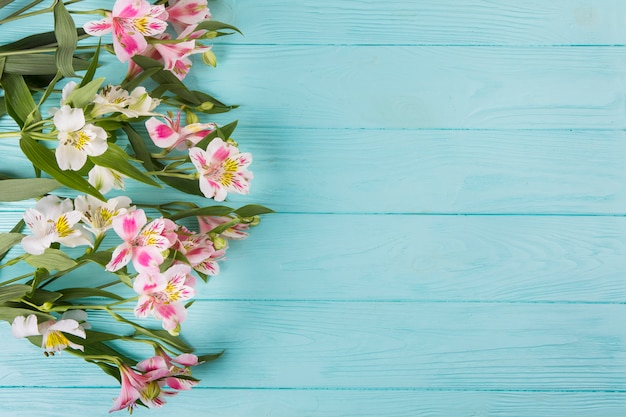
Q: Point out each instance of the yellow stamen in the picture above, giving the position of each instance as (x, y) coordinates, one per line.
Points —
(62, 227)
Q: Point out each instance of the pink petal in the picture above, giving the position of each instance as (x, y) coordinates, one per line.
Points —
(121, 256)
(161, 133)
(127, 226)
(98, 27)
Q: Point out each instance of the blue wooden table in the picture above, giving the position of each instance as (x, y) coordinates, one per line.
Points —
(450, 182)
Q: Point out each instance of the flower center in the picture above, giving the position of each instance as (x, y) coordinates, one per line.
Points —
(62, 227)
(78, 140)
(55, 341)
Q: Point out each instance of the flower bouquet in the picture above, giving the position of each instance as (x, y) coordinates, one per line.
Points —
(144, 260)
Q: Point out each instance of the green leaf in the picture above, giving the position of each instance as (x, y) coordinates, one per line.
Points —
(5, 3)
(18, 98)
(3, 107)
(38, 64)
(65, 32)
(109, 369)
(91, 71)
(166, 78)
(82, 96)
(73, 293)
(162, 335)
(115, 158)
(214, 26)
(139, 146)
(23, 189)
(252, 210)
(203, 211)
(210, 356)
(40, 275)
(226, 131)
(44, 159)
(13, 292)
(51, 259)
(43, 296)
(40, 40)
(8, 240)
(10, 313)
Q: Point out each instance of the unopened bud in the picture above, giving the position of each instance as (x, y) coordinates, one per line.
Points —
(208, 57)
(206, 106)
(219, 243)
(255, 220)
(175, 331)
(47, 306)
(231, 141)
(191, 117)
(152, 390)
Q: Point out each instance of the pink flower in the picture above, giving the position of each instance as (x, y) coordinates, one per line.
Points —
(161, 294)
(130, 21)
(176, 367)
(208, 223)
(142, 245)
(222, 169)
(199, 251)
(184, 13)
(170, 134)
(142, 387)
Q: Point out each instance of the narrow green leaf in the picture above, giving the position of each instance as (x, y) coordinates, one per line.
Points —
(3, 107)
(73, 293)
(38, 64)
(82, 96)
(214, 26)
(40, 275)
(23, 189)
(252, 210)
(51, 259)
(18, 98)
(162, 335)
(227, 130)
(109, 369)
(13, 292)
(115, 158)
(3, 60)
(10, 313)
(139, 79)
(50, 88)
(65, 32)
(44, 159)
(166, 77)
(5, 3)
(210, 357)
(8, 240)
(18, 226)
(139, 146)
(93, 66)
(40, 40)
(40, 297)
(203, 211)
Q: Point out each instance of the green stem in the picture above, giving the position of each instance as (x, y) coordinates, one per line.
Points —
(15, 279)
(16, 15)
(173, 174)
(23, 9)
(42, 50)
(10, 134)
(108, 284)
(13, 261)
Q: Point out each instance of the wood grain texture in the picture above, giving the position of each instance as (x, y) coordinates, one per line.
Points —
(357, 345)
(440, 22)
(422, 87)
(522, 259)
(315, 403)
(419, 171)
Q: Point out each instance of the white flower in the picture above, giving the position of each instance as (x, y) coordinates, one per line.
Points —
(114, 99)
(72, 322)
(52, 220)
(77, 140)
(98, 215)
(104, 179)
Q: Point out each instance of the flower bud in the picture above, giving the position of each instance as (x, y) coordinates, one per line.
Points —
(175, 331)
(206, 106)
(191, 117)
(152, 390)
(231, 141)
(47, 306)
(219, 243)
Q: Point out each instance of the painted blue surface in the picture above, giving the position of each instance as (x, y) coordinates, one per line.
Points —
(450, 240)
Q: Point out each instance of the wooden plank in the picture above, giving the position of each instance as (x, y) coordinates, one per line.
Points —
(417, 258)
(421, 87)
(439, 22)
(340, 345)
(419, 171)
(297, 403)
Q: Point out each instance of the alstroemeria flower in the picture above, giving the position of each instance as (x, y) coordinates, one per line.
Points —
(98, 215)
(71, 322)
(199, 251)
(170, 134)
(130, 21)
(114, 99)
(77, 139)
(104, 179)
(140, 387)
(177, 367)
(162, 294)
(184, 13)
(52, 220)
(222, 169)
(143, 245)
(208, 223)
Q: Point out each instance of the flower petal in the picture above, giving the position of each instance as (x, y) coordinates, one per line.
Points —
(24, 326)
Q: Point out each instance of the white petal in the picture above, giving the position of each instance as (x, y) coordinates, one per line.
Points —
(67, 90)
(24, 326)
(67, 119)
(68, 157)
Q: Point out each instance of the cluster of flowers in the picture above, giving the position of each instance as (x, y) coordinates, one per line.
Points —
(159, 258)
